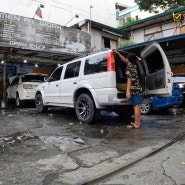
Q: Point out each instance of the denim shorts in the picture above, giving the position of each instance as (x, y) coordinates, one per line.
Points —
(137, 99)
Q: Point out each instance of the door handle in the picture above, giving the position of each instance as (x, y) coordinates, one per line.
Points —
(57, 85)
(74, 83)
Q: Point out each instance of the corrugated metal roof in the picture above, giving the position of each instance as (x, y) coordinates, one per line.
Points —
(103, 27)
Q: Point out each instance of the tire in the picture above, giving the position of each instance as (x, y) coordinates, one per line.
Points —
(39, 104)
(85, 109)
(19, 103)
(146, 108)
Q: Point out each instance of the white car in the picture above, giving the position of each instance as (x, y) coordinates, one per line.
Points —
(23, 88)
(98, 81)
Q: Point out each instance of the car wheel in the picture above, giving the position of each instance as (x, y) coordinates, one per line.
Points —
(85, 109)
(39, 104)
(19, 103)
(146, 108)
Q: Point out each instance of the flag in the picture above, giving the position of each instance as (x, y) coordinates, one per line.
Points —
(39, 12)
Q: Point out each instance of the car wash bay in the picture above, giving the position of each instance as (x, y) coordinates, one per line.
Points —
(173, 47)
(28, 45)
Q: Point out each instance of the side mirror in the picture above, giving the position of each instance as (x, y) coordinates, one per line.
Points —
(50, 79)
(45, 79)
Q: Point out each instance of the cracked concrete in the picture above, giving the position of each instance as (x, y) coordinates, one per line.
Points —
(164, 168)
(53, 158)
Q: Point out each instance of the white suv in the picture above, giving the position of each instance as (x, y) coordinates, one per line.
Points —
(23, 87)
(98, 81)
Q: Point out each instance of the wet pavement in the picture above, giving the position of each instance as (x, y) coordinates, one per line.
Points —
(54, 148)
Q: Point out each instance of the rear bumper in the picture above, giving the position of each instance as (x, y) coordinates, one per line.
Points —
(111, 100)
(118, 101)
(159, 103)
(27, 95)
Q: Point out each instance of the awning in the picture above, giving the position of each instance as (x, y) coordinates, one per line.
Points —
(174, 46)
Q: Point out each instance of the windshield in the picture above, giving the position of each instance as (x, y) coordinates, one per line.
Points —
(33, 78)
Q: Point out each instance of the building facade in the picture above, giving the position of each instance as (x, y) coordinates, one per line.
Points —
(167, 28)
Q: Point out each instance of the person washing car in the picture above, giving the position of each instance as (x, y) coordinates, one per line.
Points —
(134, 89)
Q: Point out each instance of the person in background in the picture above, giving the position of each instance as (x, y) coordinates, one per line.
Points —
(134, 89)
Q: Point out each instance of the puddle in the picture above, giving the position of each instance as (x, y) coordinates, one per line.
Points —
(61, 140)
(9, 113)
(105, 132)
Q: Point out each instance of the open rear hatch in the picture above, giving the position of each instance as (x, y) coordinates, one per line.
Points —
(158, 72)
(154, 71)
(121, 78)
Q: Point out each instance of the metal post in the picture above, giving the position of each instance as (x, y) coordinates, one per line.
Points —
(90, 20)
(3, 101)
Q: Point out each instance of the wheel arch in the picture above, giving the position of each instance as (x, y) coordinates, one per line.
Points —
(84, 90)
(19, 93)
(40, 92)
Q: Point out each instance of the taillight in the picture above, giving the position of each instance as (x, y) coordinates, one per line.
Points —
(111, 62)
(27, 86)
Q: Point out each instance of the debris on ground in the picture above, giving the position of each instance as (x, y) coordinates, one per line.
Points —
(17, 137)
(61, 140)
(79, 141)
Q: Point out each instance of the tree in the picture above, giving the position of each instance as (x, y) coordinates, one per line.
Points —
(127, 43)
(129, 20)
(152, 5)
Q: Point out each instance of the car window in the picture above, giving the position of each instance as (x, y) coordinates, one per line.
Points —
(154, 61)
(15, 81)
(96, 64)
(56, 75)
(72, 70)
(33, 78)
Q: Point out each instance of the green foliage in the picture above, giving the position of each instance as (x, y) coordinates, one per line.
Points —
(129, 20)
(152, 5)
(127, 43)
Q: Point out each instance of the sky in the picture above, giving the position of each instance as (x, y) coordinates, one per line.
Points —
(63, 11)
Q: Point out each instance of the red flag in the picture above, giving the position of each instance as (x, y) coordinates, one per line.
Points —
(39, 12)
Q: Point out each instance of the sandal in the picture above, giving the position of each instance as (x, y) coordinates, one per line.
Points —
(132, 126)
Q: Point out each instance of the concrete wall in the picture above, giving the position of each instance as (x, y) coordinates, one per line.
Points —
(62, 11)
(97, 38)
(156, 31)
(138, 36)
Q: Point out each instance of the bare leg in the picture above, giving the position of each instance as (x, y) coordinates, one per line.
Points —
(137, 115)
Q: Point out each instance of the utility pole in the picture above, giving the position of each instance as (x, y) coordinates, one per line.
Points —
(90, 20)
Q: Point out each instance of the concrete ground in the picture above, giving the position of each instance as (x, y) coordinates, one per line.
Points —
(54, 148)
